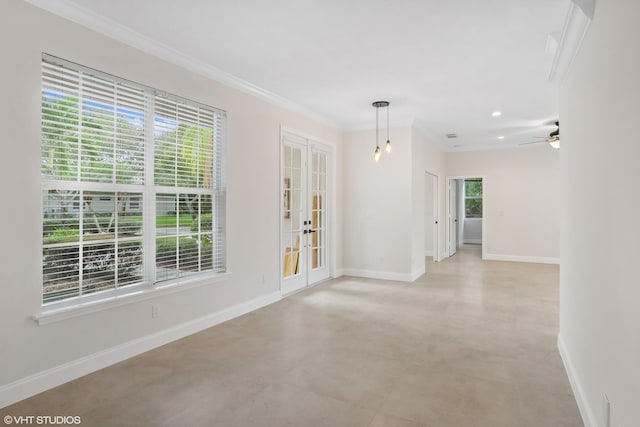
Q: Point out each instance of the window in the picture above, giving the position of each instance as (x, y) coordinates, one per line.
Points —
(473, 198)
(132, 183)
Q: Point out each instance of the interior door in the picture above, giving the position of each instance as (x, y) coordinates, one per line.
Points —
(294, 214)
(304, 213)
(431, 216)
(317, 265)
(436, 215)
(453, 217)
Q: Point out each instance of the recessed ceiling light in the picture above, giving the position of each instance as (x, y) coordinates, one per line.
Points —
(501, 137)
(496, 113)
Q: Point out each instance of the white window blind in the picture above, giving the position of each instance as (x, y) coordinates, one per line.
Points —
(188, 176)
(92, 127)
(105, 204)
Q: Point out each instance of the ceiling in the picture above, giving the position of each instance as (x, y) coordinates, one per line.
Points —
(444, 66)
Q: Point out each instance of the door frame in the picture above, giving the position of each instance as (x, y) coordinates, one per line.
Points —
(436, 215)
(330, 148)
(449, 180)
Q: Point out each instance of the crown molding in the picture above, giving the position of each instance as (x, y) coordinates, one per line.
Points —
(575, 28)
(87, 18)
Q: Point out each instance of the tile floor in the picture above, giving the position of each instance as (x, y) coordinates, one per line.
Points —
(470, 343)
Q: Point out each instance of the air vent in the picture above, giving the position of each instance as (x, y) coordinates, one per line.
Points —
(451, 135)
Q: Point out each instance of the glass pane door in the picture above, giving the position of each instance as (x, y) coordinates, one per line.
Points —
(318, 229)
(304, 213)
(318, 205)
(294, 221)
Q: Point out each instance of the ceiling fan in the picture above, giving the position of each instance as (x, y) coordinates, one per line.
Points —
(553, 139)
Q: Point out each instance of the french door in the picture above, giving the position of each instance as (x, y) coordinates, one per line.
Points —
(304, 212)
(453, 217)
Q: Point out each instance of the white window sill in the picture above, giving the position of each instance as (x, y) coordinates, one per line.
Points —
(83, 306)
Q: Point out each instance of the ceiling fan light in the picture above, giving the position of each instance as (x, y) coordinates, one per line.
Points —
(555, 143)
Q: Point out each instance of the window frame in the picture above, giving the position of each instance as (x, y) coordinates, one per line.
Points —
(148, 287)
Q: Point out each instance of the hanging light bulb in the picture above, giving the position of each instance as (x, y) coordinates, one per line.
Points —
(377, 153)
(387, 146)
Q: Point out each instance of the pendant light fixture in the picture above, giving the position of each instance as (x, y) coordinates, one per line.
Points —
(387, 146)
(377, 153)
(554, 137)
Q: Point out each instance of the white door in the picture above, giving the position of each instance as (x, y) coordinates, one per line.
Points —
(304, 213)
(431, 216)
(317, 264)
(436, 215)
(453, 217)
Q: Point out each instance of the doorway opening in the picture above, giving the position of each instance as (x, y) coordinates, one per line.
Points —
(465, 212)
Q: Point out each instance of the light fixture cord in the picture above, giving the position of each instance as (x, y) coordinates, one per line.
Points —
(387, 123)
(377, 108)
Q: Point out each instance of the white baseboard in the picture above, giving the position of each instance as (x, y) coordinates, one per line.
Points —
(473, 241)
(374, 274)
(45, 380)
(338, 272)
(586, 411)
(428, 253)
(418, 272)
(520, 258)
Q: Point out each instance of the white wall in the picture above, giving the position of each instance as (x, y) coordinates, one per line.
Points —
(429, 214)
(384, 204)
(600, 154)
(472, 230)
(521, 199)
(252, 175)
(377, 206)
(426, 157)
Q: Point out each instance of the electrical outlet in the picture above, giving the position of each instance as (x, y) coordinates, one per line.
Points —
(606, 411)
(155, 310)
